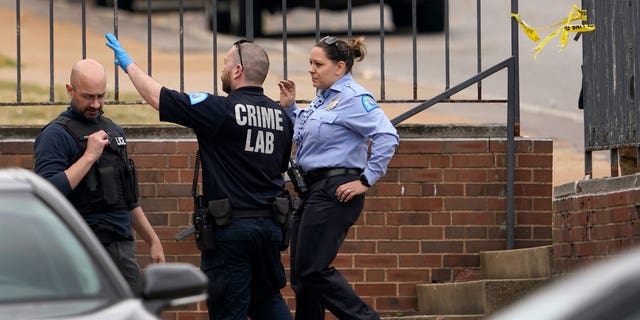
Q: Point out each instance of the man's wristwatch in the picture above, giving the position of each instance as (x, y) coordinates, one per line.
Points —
(364, 181)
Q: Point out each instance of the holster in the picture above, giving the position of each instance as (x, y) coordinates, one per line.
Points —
(203, 225)
(131, 191)
(297, 179)
(220, 210)
(282, 211)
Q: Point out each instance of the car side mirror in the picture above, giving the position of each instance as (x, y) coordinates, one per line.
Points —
(172, 284)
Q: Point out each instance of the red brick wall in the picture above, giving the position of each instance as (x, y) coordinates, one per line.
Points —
(440, 203)
(593, 219)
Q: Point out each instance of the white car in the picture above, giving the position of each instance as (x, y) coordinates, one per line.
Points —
(52, 265)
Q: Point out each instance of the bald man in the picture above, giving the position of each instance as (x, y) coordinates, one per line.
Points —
(105, 192)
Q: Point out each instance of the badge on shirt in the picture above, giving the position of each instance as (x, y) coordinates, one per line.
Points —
(332, 104)
(197, 97)
(369, 103)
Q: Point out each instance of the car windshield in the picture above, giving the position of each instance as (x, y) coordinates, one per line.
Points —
(40, 258)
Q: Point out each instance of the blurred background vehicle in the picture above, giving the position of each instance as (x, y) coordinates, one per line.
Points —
(607, 289)
(52, 265)
(231, 16)
(141, 5)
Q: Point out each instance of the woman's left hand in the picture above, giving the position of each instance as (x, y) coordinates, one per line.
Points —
(287, 93)
(349, 190)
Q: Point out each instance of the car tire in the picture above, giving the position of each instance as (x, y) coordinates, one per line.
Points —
(122, 4)
(235, 9)
(430, 15)
(223, 19)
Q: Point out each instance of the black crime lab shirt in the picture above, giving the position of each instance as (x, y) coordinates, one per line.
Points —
(244, 141)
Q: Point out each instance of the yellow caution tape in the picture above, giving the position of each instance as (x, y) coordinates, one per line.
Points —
(562, 28)
(530, 32)
(544, 42)
(580, 27)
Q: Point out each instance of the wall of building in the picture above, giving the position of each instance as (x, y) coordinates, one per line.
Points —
(441, 202)
(593, 219)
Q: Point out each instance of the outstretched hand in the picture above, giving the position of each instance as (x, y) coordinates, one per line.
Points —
(287, 93)
(122, 58)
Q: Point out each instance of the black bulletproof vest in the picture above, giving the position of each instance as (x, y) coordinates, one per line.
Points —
(111, 183)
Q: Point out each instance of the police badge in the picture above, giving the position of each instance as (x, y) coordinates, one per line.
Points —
(332, 104)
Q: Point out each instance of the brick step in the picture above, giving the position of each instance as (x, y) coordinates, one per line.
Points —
(527, 263)
(472, 297)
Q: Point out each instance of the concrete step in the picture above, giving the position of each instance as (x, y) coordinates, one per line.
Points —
(473, 297)
(527, 263)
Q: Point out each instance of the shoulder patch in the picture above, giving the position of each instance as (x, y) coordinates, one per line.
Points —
(368, 102)
(197, 97)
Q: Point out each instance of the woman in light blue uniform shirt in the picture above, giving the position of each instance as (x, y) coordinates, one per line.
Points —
(332, 136)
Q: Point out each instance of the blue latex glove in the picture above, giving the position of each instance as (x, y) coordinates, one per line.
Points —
(122, 57)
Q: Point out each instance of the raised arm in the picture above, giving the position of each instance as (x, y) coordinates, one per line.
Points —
(146, 86)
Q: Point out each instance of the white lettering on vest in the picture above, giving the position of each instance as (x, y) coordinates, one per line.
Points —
(259, 117)
(241, 118)
(262, 142)
(120, 141)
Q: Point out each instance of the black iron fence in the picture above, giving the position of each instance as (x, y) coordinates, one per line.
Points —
(245, 18)
(610, 56)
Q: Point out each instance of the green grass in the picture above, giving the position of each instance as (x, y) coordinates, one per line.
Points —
(33, 112)
(7, 62)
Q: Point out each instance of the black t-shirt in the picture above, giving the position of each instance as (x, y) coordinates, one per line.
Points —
(244, 141)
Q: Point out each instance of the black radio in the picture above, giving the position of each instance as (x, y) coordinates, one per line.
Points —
(204, 229)
(297, 179)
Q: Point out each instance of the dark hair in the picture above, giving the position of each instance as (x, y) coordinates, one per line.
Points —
(255, 60)
(339, 50)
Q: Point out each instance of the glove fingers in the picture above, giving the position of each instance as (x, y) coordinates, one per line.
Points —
(111, 37)
(122, 58)
(112, 42)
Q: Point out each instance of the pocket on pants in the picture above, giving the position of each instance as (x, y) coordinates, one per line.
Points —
(212, 264)
(268, 272)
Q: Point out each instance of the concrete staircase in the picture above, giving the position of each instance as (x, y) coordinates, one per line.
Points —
(505, 276)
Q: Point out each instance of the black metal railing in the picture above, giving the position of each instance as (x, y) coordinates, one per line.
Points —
(251, 28)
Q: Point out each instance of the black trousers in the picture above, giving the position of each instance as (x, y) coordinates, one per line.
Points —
(317, 232)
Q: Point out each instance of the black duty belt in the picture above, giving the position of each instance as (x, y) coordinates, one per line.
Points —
(258, 213)
(316, 175)
(107, 233)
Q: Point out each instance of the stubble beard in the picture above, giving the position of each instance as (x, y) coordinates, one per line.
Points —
(226, 82)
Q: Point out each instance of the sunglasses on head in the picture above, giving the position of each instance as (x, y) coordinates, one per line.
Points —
(332, 41)
(237, 44)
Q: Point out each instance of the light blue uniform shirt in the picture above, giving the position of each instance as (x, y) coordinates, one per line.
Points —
(336, 128)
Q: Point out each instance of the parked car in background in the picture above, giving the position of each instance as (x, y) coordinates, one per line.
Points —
(231, 14)
(607, 289)
(52, 266)
(156, 5)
